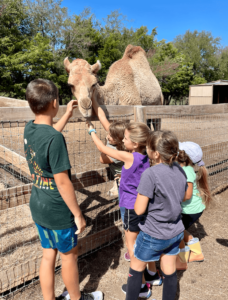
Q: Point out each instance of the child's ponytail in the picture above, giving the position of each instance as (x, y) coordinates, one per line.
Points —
(203, 186)
(172, 159)
(183, 158)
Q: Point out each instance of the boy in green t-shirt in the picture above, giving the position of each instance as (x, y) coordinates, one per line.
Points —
(53, 203)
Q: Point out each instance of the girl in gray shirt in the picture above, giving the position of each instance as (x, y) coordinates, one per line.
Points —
(160, 193)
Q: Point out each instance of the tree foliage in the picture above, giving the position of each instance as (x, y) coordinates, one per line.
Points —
(201, 49)
(172, 70)
(36, 36)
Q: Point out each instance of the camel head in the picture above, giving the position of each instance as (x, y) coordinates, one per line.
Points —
(82, 80)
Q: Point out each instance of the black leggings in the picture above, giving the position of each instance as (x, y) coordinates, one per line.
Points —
(188, 220)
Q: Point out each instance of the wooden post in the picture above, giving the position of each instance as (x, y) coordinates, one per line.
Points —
(140, 113)
(15, 159)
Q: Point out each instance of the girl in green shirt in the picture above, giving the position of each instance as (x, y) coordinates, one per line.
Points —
(198, 196)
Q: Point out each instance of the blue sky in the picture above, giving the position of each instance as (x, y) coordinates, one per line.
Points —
(170, 17)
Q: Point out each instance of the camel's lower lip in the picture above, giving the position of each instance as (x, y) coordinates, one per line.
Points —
(88, 115)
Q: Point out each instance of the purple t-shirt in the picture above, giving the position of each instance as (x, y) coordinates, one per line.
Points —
(165, 186)
(130, 180)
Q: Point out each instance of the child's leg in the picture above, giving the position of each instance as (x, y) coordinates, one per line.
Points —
(168, 267)
(183, 257)
(135, 278)
(130, 241)
(47, 273)
(70, 273)
(187, 236)
(152, 266)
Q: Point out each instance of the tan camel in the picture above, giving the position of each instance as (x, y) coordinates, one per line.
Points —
(130, 81)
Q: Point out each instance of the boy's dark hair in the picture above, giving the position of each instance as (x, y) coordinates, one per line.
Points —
(166, 143)
(40, 93)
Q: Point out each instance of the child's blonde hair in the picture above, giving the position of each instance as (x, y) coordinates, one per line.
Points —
(139, 133)
(201, 177)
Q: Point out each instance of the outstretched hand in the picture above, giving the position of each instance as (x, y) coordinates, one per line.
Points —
(89, 125)
(70, 107)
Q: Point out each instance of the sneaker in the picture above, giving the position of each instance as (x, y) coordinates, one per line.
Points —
(145, 292)
(84, 296)
(152, 279)
(92, 296)
(127, 256)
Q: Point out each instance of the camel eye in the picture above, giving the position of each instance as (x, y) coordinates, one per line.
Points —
(94, 85)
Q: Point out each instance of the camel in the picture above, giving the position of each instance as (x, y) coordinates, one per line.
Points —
(130, 81)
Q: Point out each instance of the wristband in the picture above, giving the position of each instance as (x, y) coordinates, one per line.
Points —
(92, 130)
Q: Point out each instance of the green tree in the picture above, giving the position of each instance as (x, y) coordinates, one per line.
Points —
(14, 34)
(25, 56)
(223, 64)
(201, 49)
(81, 37)
(48, 17)
(172, 70)
(33, 61)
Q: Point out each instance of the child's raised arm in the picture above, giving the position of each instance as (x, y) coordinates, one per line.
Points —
(68, 114)
(124, 156)
(100, 114)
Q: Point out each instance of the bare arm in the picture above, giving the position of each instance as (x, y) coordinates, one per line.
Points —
(104, 159)
(189, 192)
(141, 204)
(124, 156)
(59, 126)
(66, 190)
(100, 114)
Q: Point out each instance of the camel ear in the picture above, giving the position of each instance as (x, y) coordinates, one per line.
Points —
(67, 65)
(96, 67)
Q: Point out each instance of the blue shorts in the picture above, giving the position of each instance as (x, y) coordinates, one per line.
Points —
(149, 249)
(63, 240)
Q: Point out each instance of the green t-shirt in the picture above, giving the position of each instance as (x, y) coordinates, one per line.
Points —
(195, 204)
(46, 153)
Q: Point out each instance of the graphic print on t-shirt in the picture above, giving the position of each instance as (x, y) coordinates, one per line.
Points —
(39, 180)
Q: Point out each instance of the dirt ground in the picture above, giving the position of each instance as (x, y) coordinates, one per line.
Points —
(106, 269)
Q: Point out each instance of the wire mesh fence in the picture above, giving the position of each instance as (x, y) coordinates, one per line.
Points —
(20, 250)
(210, 131)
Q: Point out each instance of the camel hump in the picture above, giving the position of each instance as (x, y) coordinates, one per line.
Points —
(131, 50)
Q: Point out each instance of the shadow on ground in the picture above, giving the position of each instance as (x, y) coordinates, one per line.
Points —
(223, 242)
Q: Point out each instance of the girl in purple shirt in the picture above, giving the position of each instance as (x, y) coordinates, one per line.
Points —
(135, 163)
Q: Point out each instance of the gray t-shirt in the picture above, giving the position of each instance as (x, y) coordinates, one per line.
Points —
(165, 186)
(116, 166)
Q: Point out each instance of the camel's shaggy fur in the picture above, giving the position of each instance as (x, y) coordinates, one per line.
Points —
(130, 81)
